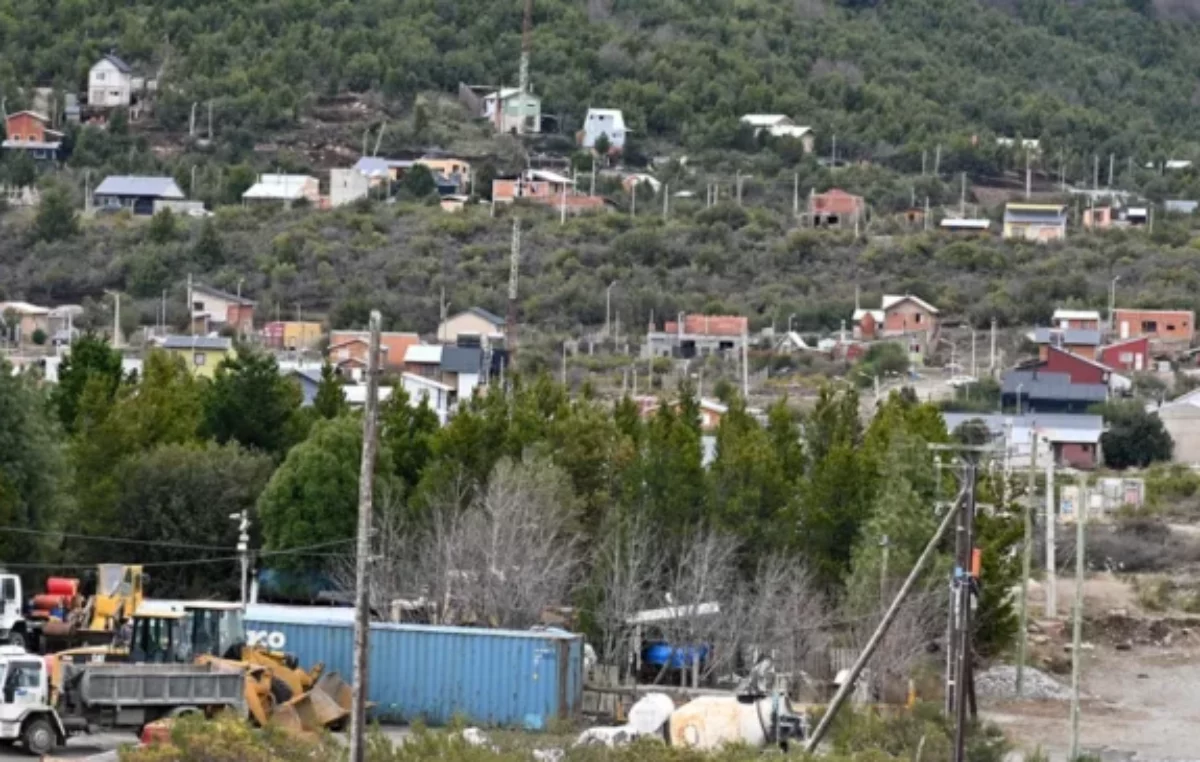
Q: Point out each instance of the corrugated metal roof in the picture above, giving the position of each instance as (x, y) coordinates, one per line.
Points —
(430, 354)
(132, 185)
(1057, 386)
(33, 145)
(462, 359)
(996, 422)
(1069, 336)
(891, 300)
(197, 342)
(1054, 218)
(958, 223)
(1061, 314)
(282, 187)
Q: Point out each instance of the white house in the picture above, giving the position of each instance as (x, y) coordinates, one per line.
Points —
(347, 186)
(285, 189)
(506, 107)
(780, 126)
(609, 122)
(110, 83)
(434, 393)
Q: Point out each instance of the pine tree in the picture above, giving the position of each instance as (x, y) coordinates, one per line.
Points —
(330, 401)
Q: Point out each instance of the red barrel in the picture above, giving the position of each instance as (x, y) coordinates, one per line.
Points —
(47, 602)
(62, 586)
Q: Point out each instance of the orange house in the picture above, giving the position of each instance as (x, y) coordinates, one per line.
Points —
(351, 347)
(1167, 326)
(27, 131)
(835, 208)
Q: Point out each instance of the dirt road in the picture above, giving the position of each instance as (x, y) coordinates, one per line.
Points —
(1140, 705)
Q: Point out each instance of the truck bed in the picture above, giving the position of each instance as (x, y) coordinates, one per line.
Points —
(146, 685)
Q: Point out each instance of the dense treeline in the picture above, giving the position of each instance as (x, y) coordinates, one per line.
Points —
(749, 260)
(885, 78)
(149, 469)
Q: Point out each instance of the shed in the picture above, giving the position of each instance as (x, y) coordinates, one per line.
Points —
(507, 678)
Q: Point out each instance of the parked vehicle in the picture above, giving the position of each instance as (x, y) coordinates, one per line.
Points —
(103, 697)
(62, 616)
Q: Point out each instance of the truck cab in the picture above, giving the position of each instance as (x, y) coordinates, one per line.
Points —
(25, 713)
(13, 627)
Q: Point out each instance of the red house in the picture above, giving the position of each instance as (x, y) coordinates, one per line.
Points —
(835, 208)
(1128, 354)
(1080, 369)
(27, 131)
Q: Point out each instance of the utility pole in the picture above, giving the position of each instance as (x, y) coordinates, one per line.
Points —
(833, 155)
(192, 122)
(243, 548)
(1111, 158)
(737, 181)
(592, 189)
(666, 199)
(1095, 171)
(974, 368)
(856, 669)
(962, 196)
(210, 121)
(924, 157)
(523, 72)
(745, 367)
(1081, 511)
(116, 334)
(962, 586)
(795, 195)
(1112, 301)
(937, 160)
(362, 607)
(564, 364)
(190, 316)
(633, 202)
(1028, 177)
(514, 266)
(992, 351)
(1051, 564)
(1027, 561)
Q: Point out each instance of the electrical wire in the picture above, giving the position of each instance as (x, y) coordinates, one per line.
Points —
(102, 538)
(301, 551)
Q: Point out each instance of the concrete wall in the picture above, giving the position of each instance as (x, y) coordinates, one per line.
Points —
(1183, 424)
(347, 186)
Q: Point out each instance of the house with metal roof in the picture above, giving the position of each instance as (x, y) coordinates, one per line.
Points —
(609, 122)
(780, 126)
(135, 193)
(1070, 440)
(1040, 223)
(201, 354)
(474, 322)
(284, 189)
(509, 110)
(110, 83)
(1079, 341)
(30, 132)
(1038, 391)
(1085, 319)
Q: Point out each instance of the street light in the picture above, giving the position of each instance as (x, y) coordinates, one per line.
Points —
(1019, 388)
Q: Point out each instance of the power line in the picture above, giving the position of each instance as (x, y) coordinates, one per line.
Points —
(103, 538)
(301, 551)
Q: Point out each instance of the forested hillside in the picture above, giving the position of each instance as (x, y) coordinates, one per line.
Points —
(885, 78)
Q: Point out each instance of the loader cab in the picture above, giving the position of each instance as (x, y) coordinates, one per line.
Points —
(157, 637)
(12, 618)
(215, 629)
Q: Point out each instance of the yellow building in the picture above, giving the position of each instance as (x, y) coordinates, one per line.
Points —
(292, 334)
(201, 354)
(451, 169)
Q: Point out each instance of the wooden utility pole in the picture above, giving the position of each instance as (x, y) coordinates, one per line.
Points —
(362, 603)
(796, 196)
(848, 685)
(937, 160)
(1027, 561)
(1081, 511)
(514, 266)
(962, 585)
(666, 191)
(1051, 563)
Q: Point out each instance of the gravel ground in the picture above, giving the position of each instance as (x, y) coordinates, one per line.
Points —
(1000, 682)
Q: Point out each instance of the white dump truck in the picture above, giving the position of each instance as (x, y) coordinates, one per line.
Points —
(103, 697)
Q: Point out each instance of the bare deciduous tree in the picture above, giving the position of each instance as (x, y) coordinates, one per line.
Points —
(629, 565)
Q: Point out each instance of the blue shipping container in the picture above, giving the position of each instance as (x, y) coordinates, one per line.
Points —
(487, 677)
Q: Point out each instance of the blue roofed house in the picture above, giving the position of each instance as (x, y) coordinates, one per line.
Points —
(136, 194)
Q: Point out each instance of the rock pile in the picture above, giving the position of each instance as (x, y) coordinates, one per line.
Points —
(1000, 682)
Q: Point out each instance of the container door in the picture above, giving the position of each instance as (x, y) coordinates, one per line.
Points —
(545, 681)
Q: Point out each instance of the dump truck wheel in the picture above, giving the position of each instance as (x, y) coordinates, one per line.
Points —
(281, 692)
(38, 736)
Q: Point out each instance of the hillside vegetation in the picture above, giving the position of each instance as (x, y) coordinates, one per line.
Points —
(886, 78)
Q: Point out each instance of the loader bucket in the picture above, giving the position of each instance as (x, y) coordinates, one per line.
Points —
(318, 709)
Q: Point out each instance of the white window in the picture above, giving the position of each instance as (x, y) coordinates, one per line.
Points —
(99, 76)
(1126, 357)
(199, 358)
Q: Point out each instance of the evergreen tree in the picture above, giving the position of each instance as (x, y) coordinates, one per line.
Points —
(330, 400)
(56, 217)
(90, 356)
(249, 402)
